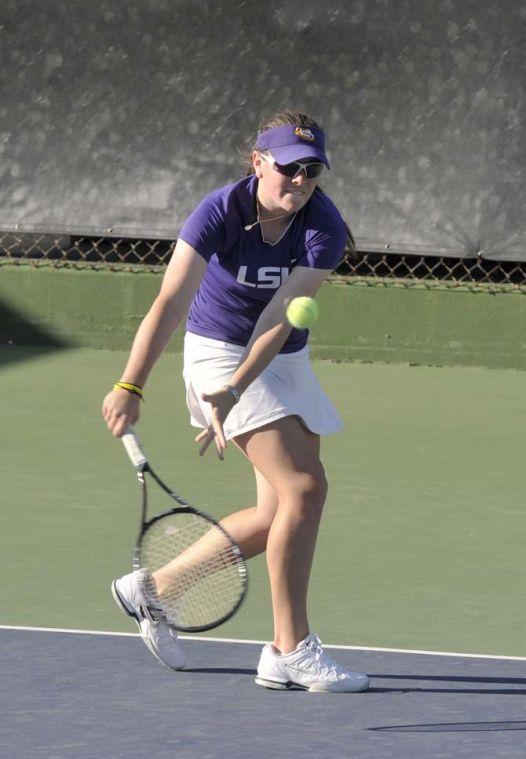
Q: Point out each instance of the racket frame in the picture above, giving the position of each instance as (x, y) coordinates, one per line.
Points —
(143, 467)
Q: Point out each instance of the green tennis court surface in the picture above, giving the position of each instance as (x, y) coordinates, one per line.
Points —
(422, 544)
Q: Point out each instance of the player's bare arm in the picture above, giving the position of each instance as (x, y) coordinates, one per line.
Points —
(180, 283)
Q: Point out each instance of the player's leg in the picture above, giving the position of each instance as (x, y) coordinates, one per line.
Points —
(287, 455)
(249, 528)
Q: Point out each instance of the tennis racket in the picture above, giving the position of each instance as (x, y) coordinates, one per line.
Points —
(200, 574)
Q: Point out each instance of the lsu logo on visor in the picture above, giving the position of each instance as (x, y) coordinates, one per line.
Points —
(304, 134)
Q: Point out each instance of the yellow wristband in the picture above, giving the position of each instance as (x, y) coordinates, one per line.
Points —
(134, 389)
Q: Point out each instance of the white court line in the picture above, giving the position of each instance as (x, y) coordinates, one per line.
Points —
(262, 642)
(65, 630)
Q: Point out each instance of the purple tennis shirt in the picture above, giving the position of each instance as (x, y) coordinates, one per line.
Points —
(243, 271)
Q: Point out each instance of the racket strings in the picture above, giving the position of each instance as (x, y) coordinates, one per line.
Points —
(201, 575)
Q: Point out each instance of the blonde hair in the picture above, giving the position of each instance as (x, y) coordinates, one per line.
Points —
(294, 118)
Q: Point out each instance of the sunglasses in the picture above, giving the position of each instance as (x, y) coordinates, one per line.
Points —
(291, 170)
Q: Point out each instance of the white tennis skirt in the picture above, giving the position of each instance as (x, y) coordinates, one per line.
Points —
(287, 386)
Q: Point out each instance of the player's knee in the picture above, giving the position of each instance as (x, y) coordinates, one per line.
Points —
(308, 492)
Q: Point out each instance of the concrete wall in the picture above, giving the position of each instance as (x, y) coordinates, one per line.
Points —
(388, 323)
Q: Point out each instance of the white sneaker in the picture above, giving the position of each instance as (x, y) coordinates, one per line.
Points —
(307, 667)
(132, 598)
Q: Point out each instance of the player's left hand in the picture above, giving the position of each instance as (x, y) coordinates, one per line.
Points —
(222, 403)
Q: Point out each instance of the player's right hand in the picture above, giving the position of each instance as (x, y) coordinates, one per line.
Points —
(222, 403)
(120, 408)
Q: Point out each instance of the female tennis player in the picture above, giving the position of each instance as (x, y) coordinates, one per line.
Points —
(242, 255)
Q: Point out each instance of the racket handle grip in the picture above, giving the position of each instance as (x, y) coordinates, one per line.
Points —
(133, 449)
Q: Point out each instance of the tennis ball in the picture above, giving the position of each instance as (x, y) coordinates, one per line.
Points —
(302, 312)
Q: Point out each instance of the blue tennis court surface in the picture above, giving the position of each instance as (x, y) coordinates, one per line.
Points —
(74, 696)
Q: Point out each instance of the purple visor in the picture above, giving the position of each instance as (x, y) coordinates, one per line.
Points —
(293, 143)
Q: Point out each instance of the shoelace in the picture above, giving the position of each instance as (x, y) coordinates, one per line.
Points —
(324, 664)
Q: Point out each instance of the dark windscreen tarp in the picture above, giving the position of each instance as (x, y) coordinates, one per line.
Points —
(122, 115)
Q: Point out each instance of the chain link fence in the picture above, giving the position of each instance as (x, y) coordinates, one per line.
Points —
(128, 254)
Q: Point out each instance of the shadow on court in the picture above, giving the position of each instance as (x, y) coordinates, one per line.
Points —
(22, 340)
(454, 727)
(74, 696)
